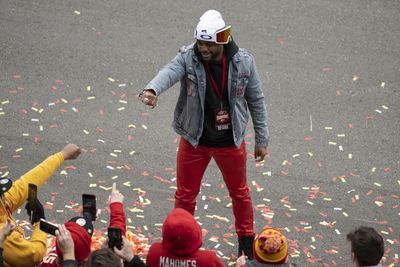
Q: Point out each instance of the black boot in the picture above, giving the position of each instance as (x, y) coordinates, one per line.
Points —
(246, 246)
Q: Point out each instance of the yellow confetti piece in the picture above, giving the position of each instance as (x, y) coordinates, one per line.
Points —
(63, 172)
(287, 229)
(131, 126)
(19, 149)
(91, 97)
(312, 239)
(2, 113)
(269, 200)
(123, 101)
(88, 88)
(103, 221)
(384, 232)
(341, 135)
(86, 131)
(379, 203)
(41, 128)
(390, 241)
(5, 102)
(332, 143)
(345, 214)
(309, 202)
(34, 109)
(144, 126)
(76, 12)
(377, 184)
(114, 177)
(111, 79)
(132, 152)
(105, 188)
(310, 154)
(327, 199)
(145, 228)
(113, 155)
(5, 174)
(135, 210)
(295, 155)
(328, 128)
(64, 100)
(231, 244)
(158, 224)
(92, 185)
(25, 134)
(139, 216)
(350, 156)
(385, 107)
(383, 84)
(90, 174)
(59, 211)
(121, 108)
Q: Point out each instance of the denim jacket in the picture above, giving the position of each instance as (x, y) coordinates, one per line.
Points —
(245, 93)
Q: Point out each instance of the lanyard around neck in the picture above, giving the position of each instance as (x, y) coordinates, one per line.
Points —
(214, 84)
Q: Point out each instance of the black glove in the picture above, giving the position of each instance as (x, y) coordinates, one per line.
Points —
(36, 214)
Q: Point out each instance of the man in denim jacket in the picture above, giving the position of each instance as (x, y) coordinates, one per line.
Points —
(219, 84)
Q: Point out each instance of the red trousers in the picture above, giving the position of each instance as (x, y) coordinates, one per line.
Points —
(191, 165)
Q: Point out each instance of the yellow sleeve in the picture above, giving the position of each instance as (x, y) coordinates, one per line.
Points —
(25, 253)
(18, 193)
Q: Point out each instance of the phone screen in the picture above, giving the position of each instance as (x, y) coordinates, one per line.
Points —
(32, 197)
(114, 237)
(48, 227)
(89, 206)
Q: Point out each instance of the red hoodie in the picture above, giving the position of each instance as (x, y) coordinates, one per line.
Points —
(180, 246)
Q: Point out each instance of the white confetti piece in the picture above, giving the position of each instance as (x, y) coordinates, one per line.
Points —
(76, 12)
(111, 79)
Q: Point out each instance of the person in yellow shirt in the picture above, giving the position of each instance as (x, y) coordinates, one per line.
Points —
(17, 251)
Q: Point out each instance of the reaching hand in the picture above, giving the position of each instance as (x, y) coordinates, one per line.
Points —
(115, 196)
(6, 231)
(125, 252)
(148, 97)
(65, 242)
(71, 151)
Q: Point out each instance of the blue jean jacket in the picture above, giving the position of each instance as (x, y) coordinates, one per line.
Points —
(244, 90)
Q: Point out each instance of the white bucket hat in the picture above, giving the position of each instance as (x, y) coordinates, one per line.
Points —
(212, 28)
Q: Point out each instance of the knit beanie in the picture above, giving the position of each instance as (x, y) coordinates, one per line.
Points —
(210, 23)
(85, 223)
(82, 241)
(270, 246)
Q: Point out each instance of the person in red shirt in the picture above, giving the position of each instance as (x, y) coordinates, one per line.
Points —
(181, 242)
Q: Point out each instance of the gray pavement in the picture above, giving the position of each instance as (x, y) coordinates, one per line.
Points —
(69, 72)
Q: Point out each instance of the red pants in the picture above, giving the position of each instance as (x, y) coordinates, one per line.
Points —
(191, 165)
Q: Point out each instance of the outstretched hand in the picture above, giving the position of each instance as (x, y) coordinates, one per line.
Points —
(115, 196)
(6, 231)
(148, 97)
(71, 151)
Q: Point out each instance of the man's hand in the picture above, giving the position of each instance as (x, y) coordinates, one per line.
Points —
(260, 152)
(115, 196)
(38, 212)
(148, 97)
(71, 151)
(125, 252)
(65, 242)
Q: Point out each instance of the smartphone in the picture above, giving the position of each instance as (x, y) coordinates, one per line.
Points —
(32, 198)
(89, 206)
(48, 227)
(114, 237)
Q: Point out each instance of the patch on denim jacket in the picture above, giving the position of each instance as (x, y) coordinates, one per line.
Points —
(191, 85)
